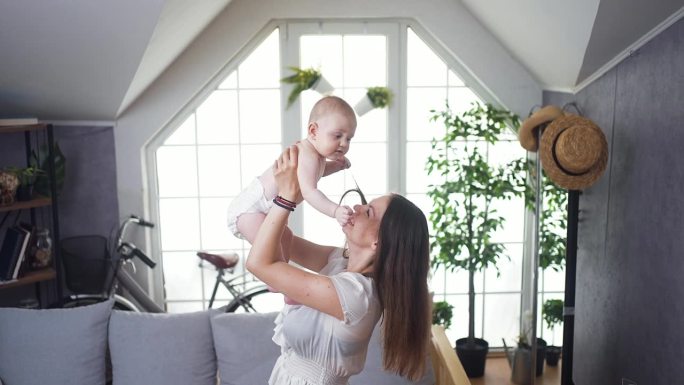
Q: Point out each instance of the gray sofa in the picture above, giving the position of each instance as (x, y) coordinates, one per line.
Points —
(68, 346)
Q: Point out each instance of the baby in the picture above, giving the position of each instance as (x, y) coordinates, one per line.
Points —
(332, 124)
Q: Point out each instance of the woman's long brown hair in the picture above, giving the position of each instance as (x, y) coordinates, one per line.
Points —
(401, 271)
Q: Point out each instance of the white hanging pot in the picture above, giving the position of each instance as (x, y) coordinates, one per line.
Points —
(363, 106)
(323, 87)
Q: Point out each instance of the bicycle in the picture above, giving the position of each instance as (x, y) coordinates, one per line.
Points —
(94, 277)
(249, 295)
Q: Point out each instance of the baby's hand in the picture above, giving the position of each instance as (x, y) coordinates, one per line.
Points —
(342, 214)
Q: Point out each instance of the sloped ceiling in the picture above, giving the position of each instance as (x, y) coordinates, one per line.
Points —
(89, 60)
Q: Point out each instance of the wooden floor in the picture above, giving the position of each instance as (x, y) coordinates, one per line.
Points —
(497, 372)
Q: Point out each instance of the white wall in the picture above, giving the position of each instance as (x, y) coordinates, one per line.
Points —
(450, 23)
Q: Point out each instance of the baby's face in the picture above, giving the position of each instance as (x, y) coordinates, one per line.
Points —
(334, 135)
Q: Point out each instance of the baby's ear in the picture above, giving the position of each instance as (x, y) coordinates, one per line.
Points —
(312, 130)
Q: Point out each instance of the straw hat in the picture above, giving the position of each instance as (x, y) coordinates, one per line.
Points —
(527, 134)
(573, 151)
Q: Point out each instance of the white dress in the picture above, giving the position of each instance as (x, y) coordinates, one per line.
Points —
(319, 349)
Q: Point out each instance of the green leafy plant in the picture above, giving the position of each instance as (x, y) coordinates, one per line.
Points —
(302, 79)
(463, 216)
(442, 312)
(40, 157)
(27, 175)
(552, 312)
(380, 97)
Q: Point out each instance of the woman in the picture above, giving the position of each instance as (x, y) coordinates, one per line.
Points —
(382, 273)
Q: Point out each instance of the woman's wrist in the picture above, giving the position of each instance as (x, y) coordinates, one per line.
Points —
(284, 203)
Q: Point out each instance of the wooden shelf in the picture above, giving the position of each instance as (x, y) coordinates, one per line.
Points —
(21, 205)
(30, 277)
(22, 128)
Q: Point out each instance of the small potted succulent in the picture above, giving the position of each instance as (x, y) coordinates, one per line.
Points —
(552, 312)
(306, 79)
(375, 97)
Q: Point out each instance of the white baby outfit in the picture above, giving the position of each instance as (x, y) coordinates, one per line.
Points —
(319, 349)
(251, 200)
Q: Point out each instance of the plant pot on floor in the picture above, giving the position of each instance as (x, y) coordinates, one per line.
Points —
(472, 356)
(553, 355)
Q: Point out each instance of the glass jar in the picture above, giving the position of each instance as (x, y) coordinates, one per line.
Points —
(42, 255)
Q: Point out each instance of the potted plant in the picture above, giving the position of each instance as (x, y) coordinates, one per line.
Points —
(40, 159)
(442, 312)
(375, 97)
(27, 178)
(552, 312)
(520, 358)
(306, 79)
(462, 215)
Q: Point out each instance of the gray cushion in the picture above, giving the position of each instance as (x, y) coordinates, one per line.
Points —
(244, 348)
(373, 373)
(55, 346)
(164, 349)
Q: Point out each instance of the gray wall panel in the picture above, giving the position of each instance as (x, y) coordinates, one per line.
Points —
(629, 311)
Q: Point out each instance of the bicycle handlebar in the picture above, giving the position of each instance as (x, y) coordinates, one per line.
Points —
(146, 260)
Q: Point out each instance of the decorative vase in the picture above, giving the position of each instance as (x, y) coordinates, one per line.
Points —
(323, 87)
(363, 106)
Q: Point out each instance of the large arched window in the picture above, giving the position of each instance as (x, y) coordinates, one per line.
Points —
(231, 132)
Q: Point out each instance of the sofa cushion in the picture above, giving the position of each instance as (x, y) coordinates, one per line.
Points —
(54, 346)
(164, 349)
(245, 350)
(373, 373)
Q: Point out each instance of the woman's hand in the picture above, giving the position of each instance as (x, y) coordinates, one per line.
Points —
(285, 173)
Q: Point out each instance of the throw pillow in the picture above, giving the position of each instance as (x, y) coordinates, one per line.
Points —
(244, 348)
(167, 349)
(54, 346)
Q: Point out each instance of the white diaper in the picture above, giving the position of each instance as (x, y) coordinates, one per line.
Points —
(250, 200)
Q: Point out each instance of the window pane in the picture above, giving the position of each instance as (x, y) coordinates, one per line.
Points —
(217, 119)
(256, 158)
(420, 102)
(230, 82)
(219, 170)
(365, 61)
(179, 220)
(185, 134)
(369, 167)
(182, 276)
(260, 116)
(454, 80)
(215, 233)
(461, 99)
(513, 211)
(554, 280)
(510, 276)
(502, 318)
(424, 67)
(459, 321)
(323, 52)
(417, 177)
(184, 307)
(261, 69)
(177, 171)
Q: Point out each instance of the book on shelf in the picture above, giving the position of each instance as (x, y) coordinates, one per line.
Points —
(20, 262)
(17, 121)
(10, 251)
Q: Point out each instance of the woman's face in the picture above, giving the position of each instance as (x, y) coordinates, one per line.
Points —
(362, 229)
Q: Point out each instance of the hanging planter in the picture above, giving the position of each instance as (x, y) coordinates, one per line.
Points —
(375, 97)
(306, 79)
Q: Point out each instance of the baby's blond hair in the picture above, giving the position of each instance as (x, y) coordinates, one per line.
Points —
(332, 105)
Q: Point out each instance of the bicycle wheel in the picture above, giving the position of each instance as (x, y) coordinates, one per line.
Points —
(257, 300)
